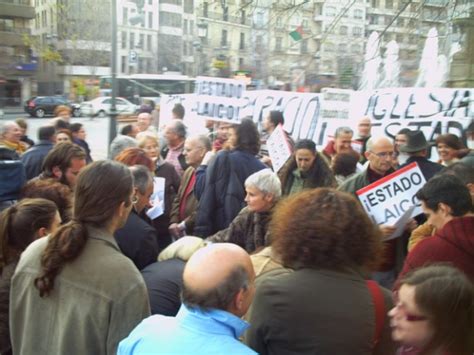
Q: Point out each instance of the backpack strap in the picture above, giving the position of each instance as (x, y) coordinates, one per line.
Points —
(379, 305)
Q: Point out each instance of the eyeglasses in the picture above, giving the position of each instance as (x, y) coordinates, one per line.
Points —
(401, 308)
(384, 154)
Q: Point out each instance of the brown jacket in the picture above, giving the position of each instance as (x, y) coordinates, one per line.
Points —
(191, 203)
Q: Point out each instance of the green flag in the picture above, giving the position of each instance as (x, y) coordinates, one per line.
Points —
(297, 34)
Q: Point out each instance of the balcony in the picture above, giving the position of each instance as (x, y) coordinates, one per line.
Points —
(12, 39)
(219, 16)
(16, 9)
(435, 3)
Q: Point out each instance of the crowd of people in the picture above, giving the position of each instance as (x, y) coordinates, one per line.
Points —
(239, 259)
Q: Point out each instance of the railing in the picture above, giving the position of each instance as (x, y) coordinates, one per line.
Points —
(229, 18)
(18, 2)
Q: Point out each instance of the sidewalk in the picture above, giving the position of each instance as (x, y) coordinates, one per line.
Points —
(11, 110)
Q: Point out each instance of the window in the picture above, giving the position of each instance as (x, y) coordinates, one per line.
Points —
(278, 43)
(400, 22)
(124, 39)
(304, 46)
(225, 14)
(304, 23)
(375, 3)
(205, 9)
(388, 20)
(148, 43)
(330, 11)
(358, 14)
(389, 4)
(259, 41)
(150, 19)
(259, 19)
(191, 27)
(124, 64)
(188, 6)
(170, 19)
(342, 47)
(242, 17)
(343, 30)
(224, 38)
(142, 41)
(185, 27)
(278, 23)
(241, 62)
(242, 41)
(357, 31)
(125, 16)
(132, 40)
(355, 48)
(185, 48)
(399, 38)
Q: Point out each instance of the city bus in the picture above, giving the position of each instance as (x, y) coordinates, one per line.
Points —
(141, 87)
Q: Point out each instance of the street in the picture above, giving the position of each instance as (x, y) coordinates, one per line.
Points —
(97, 130)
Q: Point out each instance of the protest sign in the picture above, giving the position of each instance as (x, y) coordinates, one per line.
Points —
(278, 148)
(387, 199)
(157, 199)
(219, 99)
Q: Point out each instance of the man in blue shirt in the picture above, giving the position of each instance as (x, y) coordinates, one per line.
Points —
(218, 288)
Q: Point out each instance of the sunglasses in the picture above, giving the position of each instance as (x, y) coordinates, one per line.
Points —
(410, 317)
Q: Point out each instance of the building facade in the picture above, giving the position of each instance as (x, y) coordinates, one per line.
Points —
(17, 62)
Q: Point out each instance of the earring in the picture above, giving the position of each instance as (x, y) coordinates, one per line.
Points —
(134, 199)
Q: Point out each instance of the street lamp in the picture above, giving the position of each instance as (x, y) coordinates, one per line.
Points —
(113, 108)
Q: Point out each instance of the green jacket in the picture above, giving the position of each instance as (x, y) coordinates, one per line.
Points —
(97, 300)
(355, 183)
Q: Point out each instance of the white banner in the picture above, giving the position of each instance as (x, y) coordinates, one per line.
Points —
(387, 199)
(316, 116)
(219, 99)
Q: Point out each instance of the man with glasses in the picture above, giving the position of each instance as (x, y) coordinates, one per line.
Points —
(379, 153)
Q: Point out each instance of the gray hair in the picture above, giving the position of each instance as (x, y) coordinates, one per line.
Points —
(343, 130)
(178, 127)
(121, 143)
(204, 141)
(141, 177)
(265, 181)
(6, 126)
(219, 297)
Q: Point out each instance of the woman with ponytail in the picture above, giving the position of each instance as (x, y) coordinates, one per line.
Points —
(20, 225)
(75, 292)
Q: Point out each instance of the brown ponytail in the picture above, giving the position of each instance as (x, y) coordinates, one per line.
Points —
(19, 225)
(100, 189)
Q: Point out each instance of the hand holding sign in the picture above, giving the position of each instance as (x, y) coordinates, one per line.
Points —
(391, 200)
(278, 148)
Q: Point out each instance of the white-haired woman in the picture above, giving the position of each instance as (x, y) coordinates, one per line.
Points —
(249, 228)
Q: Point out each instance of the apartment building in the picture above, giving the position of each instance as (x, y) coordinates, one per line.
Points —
(17, 63)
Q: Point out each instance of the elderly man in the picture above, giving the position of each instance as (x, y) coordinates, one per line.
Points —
(63, 163)
(341, 143)
(379, 154)
(183, 211)
(175, 135)
(33, 157)
(10, 137)
(218, 288)
(144, 123)
(364, 126)
(126, 139)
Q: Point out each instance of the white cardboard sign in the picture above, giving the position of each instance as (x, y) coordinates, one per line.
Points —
(278, 148)
(387, 199)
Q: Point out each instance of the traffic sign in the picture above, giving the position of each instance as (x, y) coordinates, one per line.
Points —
(132, 57)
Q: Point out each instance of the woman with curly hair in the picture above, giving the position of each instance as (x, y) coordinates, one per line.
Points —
(223, 196)
(320, 302)
(434, 312)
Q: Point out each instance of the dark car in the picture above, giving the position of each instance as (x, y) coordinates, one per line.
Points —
(41, 106)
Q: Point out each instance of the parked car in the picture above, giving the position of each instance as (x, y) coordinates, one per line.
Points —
(40, 106)
(101, 106)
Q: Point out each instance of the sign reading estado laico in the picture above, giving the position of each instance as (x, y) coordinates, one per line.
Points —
(387, 199)
(219, 99)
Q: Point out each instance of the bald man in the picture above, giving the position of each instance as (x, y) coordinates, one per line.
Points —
(379, 153)
(218, 288)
